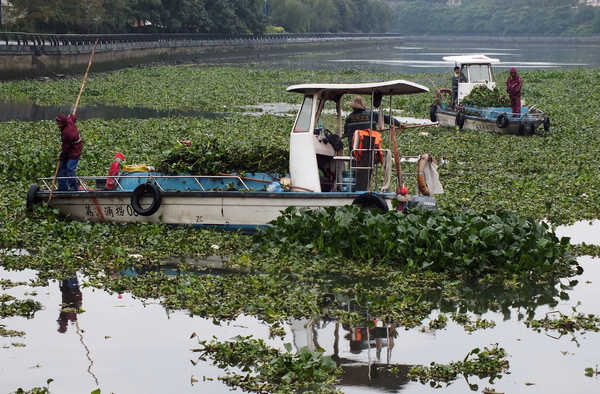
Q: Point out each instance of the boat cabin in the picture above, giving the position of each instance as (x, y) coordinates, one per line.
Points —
(318, 155)
(475, 70)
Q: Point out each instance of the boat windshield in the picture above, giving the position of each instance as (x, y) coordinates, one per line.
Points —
(479, 73)
(303, 121)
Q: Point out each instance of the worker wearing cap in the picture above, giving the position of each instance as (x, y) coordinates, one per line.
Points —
(70, 152)
(361, 118)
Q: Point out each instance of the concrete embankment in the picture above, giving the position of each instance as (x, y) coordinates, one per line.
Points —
(30, 55)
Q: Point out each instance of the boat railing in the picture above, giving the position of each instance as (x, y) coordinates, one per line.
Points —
(84, 182)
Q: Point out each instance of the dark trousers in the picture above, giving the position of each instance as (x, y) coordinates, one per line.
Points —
(68, 169)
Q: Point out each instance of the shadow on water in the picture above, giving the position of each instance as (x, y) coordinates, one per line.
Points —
(28, 112)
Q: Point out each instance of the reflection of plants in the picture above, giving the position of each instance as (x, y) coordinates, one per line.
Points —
(487, 363)
(269, 370)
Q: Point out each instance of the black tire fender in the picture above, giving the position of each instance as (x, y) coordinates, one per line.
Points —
(433, 112)
(369, 201)
(546, 123)
(522, 127)
(139, 192)
(460, 120)
(32, 196)
(502, 121)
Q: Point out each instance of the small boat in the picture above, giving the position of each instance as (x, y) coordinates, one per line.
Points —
(320, 175)
(476, 70)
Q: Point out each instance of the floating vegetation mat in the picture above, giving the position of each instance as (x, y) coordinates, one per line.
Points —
(485, 251)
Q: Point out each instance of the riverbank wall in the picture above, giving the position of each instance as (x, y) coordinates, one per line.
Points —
(25, 55)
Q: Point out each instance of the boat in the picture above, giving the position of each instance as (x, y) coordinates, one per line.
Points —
(476, 70)
(322, 173)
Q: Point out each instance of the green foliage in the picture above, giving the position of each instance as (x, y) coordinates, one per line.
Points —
(496, 17)
(269, 370)
(487, 363)
(331, 15)
(458, 242)
(481, 96)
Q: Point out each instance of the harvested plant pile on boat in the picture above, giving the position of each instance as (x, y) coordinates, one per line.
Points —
(231, 146)
(481, 96)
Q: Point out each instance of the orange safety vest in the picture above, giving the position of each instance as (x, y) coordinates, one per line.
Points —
(363, 143)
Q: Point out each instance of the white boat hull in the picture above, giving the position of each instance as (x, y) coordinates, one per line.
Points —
(230, 209)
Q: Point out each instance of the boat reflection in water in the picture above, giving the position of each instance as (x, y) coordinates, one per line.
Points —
(373, 340)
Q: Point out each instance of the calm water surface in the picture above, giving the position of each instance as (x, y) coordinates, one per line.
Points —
(127, 345)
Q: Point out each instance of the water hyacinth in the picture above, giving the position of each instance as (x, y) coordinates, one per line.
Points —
(457, 242)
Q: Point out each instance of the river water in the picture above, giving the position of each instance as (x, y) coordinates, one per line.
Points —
(418, 55)
(397, 56)
(126, 345)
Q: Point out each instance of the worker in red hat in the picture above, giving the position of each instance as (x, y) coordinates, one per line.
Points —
(513, 87)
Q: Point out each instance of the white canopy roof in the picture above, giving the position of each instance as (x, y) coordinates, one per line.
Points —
(330, 90)
(470, 59)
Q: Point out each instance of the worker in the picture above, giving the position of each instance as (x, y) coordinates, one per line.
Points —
(457, 76)
(70, 152)
(361, 119)
(513, 87)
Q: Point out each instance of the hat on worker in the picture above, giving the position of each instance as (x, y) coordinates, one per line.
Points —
(357, 103)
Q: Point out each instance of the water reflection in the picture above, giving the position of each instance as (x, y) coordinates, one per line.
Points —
(29, 112)
(584, 231)
(71, 303)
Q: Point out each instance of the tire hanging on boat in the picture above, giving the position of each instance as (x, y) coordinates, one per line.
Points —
(31, 193)
(522, 127)
(546, 123)
(421, 183)
(433, 113)
(460, 120)
(502, 121)
(371, 201)
(139, 193)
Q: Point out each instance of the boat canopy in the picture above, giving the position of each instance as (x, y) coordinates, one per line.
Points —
(470, 59)
(334, 91)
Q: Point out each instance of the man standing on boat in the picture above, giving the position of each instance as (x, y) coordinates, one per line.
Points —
(513, 87)
(71, 150)
(361, 118)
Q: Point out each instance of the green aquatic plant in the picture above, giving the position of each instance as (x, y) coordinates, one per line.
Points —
(265, 369)
(10, 306)
(458, 242)
(488, 363)
(564, 324)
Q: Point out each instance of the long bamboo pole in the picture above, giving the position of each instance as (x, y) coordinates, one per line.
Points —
(85, 76)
